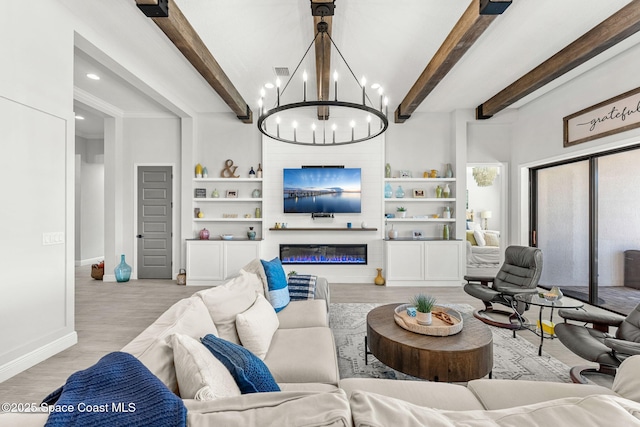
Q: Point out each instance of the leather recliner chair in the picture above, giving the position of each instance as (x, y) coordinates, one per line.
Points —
(595, 344)
(518, 274)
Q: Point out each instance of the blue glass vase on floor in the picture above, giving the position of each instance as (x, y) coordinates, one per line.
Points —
(122, 270)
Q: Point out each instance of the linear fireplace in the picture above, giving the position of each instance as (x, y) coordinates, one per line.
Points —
(324, 254)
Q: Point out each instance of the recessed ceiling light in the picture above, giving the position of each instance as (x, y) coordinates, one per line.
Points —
(269, 85)
(79, 117)
(93, 76)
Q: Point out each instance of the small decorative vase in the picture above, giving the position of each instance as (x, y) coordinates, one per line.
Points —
(215, 193)
(438, 192)
(122, 270)
(387, 171)
(393, 234)
(256, 193)
(423, 318)
(258, 213)
(556, 291)
(205, 172)
(379, 280)
(446, 212)
(446, 192)
(204, 234)
(252, 173)
(399, 192)
(388, 191)
(259, 171)
(449, 172)
(198, 170)
(445, 232)
(251, 234)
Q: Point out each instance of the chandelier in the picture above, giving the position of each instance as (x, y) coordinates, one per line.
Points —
(323, 121)
(484, 176)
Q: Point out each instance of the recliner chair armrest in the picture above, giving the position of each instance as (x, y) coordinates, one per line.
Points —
(587, 317)
(513, 290)
(623, 347)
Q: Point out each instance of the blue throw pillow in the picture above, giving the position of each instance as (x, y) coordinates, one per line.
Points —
(277, 281)
(250, 373)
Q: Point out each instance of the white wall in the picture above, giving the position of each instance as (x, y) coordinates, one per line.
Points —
(89, 220)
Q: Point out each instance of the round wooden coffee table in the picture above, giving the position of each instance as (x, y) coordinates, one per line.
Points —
(465, 356)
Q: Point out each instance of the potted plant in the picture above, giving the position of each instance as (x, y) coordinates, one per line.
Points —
(402, 211)
(424, 304)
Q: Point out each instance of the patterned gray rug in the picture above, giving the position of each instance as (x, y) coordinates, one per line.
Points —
(512, 358)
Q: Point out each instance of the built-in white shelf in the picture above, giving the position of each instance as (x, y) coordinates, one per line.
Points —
(227, 199)
(420, 199)
(419, 179)
(227, 219)
(420, 219)
(227, 179)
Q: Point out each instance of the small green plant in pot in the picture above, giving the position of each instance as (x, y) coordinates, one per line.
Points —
(424, 304)
(402, 211)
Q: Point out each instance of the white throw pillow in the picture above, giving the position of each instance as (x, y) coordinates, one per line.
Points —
(227, 300)
(491, 239)
(479, 236)
(200, 374)
(256, 326)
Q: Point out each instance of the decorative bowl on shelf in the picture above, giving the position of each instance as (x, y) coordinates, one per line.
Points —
(226, 236)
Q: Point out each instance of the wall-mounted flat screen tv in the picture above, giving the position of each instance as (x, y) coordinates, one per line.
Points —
(322, 190)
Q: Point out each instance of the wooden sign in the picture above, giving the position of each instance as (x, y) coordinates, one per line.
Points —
(609, 117)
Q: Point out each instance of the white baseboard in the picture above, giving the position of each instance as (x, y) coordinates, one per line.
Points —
(36, 356)
(88, 261)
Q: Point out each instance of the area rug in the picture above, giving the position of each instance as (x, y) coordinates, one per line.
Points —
(513, 358)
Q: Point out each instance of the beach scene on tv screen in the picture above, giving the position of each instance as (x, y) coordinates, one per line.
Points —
(330, 190)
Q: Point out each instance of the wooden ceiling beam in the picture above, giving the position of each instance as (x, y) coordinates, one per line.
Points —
(609, 32)
(184, 37)
(464, 34)
(323, 61)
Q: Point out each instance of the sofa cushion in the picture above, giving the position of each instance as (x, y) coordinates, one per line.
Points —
(256, 326)
(627, 380)
(304, 314)
(250, 373)
(329, 409)
(256, 268)
(471, 238)
(479, 236)
(188, 316)
(301, 286)
(424, 393)
(370, 409)
(200, 375)
(500, 394)
(277, 280)
(303, 355)
(491, 239)
(227, 300)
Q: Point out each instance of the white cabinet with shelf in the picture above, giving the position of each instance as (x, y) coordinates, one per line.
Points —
(233, 210)
(210, 262)
(424, 262)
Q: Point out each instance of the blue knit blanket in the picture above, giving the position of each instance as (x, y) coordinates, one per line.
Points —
(301, 286)
(117, 391)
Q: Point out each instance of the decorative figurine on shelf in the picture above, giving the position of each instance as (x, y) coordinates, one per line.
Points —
(198, 170)
(433, 174)
(251, 234)
(387, 171)
(438, 192)
(122, 270)
(200, 214)
(205, 172)
(215, 193)
(399, 192)
(252, 173)
(259, 171)
(256, 193)
(196, 211)
(229, 170)
(446, 192)
(204, 234)
(449, 172)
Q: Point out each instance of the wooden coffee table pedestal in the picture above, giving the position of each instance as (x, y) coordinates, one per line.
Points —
(462, 357)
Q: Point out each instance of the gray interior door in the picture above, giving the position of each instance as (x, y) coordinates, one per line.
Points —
(154, 222)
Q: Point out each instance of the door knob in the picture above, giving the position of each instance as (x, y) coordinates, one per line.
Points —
(139, 236)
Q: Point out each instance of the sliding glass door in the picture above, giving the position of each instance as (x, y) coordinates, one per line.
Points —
(586, 219)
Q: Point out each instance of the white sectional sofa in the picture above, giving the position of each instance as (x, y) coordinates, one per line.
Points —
(302, 358)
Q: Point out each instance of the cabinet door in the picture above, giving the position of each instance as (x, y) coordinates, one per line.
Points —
(204, 262)
(443, 260)
(404, 260)
(239, 254)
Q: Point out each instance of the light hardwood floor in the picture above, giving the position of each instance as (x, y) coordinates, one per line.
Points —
(109, 315)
